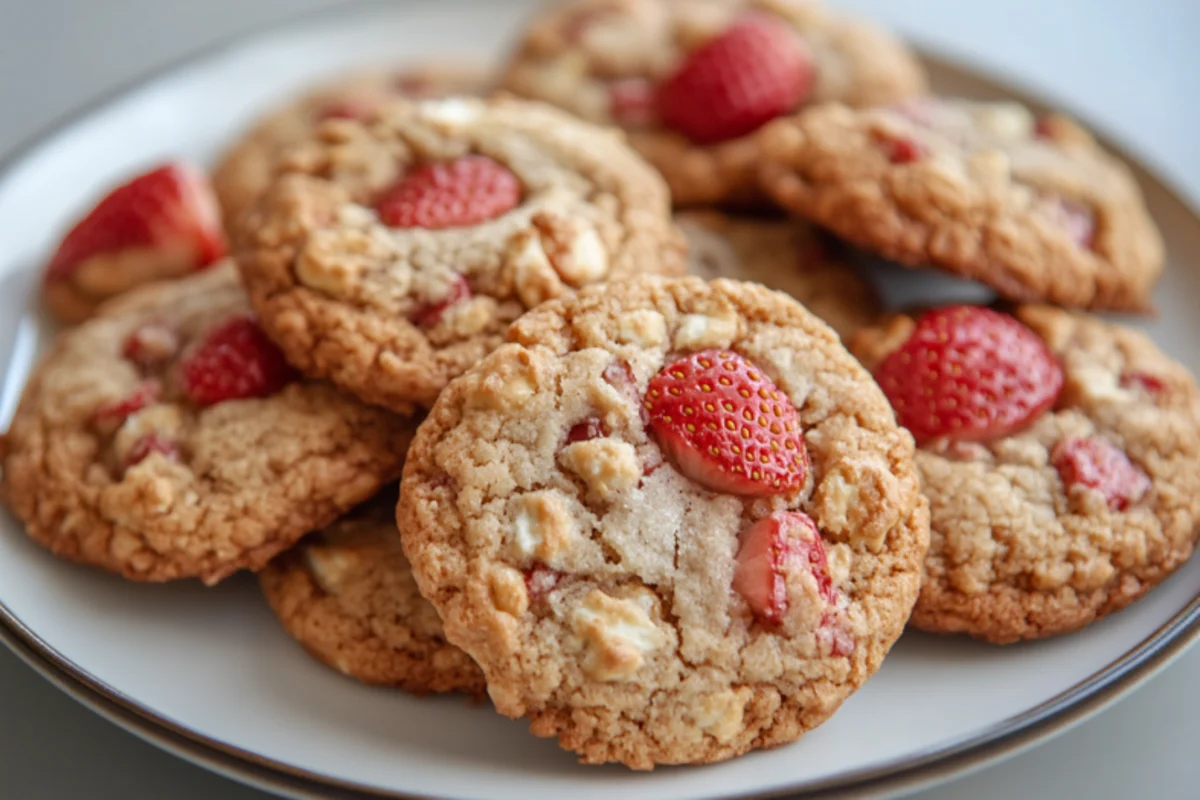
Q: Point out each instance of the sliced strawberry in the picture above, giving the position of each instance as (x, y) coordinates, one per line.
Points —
(113, 414)
(169, 215)
(633, 102)
(356, 108)
(1098, 464)
(902, 150)
(236, 360)
(540, 581)
(755, 71)
(151, 443)
(969, 373)
(1151, 384)
(466, 191)
(726, 425)
(588, 429)
(772, 548)
(429, 315)
(151, 344)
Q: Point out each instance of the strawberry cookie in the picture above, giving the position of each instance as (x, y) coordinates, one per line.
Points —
(347, 594)
(790, 257)
(1033, 208)
(391, 255)
(693, 80)
(163, 224)
(246, 169)
(673, 521)
(167, 438)
(1061, 458)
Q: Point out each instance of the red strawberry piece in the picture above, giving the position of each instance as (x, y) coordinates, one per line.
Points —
(116, 412)
(151, 344)
(1151, 384)
(726, 425)
(770, 550)
(1043, 128)
(151, 443)
(969, 373)
(236, 360)
(590, 428)
(1098, 464)
(834, 637)
(348, 108)
(430, 314)
(466, 191)
(752, 73)
(540, 581)
(170, 215)
(633, 102)
(902, 150)
(1077, 219)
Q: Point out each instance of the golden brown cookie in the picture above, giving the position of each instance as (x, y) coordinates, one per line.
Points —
(691, 86)
(245, 170)
(167, 438)
(1078, 510)
(392, 255)
(347, 594)
(790, 257)
(1033, 208)
(673, 521)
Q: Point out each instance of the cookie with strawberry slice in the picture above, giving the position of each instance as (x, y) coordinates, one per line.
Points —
(391, 254)
(347, 594)
(1033, 208)
(692, 81)
(246, 169)
(1061, 457)
(168, 438)
(788, 256)
(672, 520)
(159, 225)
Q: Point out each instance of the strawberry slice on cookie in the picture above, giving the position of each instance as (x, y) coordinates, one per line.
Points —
(1061, 457)
(693, 82)
(162, 224)
(726, 425)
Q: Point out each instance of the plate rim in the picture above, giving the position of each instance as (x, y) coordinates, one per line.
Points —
(930, 767)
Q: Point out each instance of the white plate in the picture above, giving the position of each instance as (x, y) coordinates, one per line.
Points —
(211, 675)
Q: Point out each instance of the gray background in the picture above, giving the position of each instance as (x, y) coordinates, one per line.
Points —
(1130, 66)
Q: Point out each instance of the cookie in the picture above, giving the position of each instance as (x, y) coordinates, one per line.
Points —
(1070, 493)
(347, 594)
(651, 571)
(692, 80)
(160, 225)
(1033, 208)
(392, 255)
(245, 170)
(790, 257)
(167, 438)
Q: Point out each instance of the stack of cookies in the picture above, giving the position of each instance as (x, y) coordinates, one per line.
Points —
(424, 352)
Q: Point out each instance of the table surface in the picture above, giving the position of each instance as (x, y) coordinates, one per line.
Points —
(1130, 67)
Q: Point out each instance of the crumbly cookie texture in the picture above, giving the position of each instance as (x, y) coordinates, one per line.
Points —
(348, 298)
(247, 168)
(589, 56)
(593, 582)
(108, 462)
(347, 594)
(1017, 553)
(1033, 208)
(790, 257)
